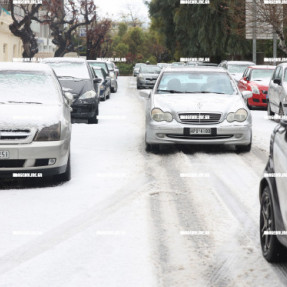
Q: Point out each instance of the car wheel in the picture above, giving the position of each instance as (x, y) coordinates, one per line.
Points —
(94, 119)
(281, 111)
(109, 94)
(115, 89)
(244, 148)
(66, 176)
(272, 249)
(270, 113)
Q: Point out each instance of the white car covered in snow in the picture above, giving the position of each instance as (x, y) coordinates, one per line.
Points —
(35, 122)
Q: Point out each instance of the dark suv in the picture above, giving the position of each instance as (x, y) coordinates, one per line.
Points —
(76, 77)
(273, 198)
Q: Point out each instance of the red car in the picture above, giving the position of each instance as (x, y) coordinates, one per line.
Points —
(256, 79)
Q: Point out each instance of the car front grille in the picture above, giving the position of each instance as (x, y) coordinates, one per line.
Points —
(14, 134)
(200, 118)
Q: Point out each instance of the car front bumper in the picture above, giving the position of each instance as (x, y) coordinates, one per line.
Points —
(84, 109)
(177, 133)
(34, 158)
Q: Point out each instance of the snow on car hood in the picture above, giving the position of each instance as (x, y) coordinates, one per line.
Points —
(198, 102)
(29, 115)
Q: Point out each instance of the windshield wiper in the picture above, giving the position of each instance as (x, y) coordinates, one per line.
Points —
(170, 91)
(14, 102)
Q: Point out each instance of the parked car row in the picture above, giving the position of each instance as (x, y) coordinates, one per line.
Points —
(38, 103)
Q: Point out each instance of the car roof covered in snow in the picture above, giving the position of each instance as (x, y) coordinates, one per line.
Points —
(195, 69)
(268, 67)
(25, 66)
(61, 59)
(240, 62)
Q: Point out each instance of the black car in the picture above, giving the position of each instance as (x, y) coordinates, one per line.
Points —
(103, 88)
(76, 76)
(273, 198)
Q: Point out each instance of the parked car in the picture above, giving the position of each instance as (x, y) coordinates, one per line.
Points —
(147, 76)
(236, 68)
(103, 89)
(76, 76)
(277, 100)
(273, 198)
(137, 68)
(113, 76)
(256, 79)
(104, 65)
(35, 123)
(115, 68)
(197, 105)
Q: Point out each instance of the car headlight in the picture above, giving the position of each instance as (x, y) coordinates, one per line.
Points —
(255, 90)
(112, 74)
(51, 133)
(87, 95)
(159, 116)
(102, 87)
(239, 116)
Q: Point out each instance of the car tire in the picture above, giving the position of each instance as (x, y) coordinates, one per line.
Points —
(272, 249)
(244, 148)
(281, 111)
(94, 119)
(109, 94)
(270, 113)
(66, 176)
(114, 90)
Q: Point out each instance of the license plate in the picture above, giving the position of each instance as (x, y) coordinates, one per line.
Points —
(198, 131)
(4, 154)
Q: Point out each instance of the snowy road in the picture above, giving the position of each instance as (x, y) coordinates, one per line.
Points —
(129, 218)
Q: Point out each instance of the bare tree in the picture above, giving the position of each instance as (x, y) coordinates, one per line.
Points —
(21, 26)
(64, 18)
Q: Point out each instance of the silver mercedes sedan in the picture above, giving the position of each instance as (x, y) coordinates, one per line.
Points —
(197, 105)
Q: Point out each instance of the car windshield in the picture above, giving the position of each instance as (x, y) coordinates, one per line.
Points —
(150, 70)
(99, 73)
(138, 65)
(99, 64)
(28, 88)
(260, 74)
(237, 69)
(70, 69)
(196, 82)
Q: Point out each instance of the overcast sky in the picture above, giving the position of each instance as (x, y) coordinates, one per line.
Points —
(114, 8)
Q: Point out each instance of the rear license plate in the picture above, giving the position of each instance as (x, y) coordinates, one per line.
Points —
(4, 154)
(198, 131)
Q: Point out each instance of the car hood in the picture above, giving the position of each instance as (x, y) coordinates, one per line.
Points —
(198, 102)
(154, 76)
(77, 88)
(29, 115)
(263, 83)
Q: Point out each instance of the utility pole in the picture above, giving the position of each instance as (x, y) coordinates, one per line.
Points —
(254, 28)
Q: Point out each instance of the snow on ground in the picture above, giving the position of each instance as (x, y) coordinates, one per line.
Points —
(92, 230)
(119, 221)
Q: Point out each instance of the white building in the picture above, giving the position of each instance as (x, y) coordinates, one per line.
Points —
(10, 45)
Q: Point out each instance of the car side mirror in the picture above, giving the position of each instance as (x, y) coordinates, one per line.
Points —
(145, 94)
(97, 80)
(277, 81)
(69, 97)
(246, 79)
(247, 95)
